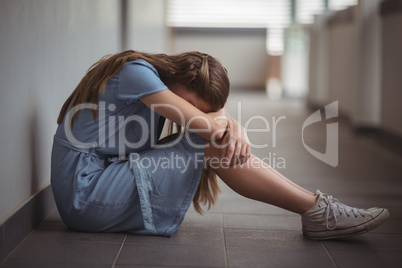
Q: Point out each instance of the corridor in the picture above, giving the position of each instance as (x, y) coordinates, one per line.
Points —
(316, 83)
(239, 232)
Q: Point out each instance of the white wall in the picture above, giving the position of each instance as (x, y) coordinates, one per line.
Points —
(146, 30)
(242, 52)
(45, 49)
(318, 94)
(294, 67)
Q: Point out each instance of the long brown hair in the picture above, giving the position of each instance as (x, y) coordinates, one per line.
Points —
(199, 72)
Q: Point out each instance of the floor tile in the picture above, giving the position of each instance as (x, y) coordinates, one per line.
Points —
(269, 239)
(367, 242)
(62, 264)
(367, 259)
(241, 205)
(141, 266)
(276, 222)
(35, 252)
(263, 257)
(56, 231)
(207, 220)
(202, 236)
(391, 226)
(172, 255)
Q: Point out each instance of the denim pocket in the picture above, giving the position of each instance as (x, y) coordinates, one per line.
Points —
(104, 185)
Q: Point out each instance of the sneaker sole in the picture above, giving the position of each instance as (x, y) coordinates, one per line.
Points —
(352, 231)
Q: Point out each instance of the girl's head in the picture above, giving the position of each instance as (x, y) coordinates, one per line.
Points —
(198, 72)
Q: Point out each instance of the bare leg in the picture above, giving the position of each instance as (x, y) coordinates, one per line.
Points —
(289, 181)
(257, 180)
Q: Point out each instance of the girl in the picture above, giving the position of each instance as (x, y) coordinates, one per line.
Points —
(112, 173)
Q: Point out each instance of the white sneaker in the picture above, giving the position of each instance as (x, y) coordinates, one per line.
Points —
(329, 219)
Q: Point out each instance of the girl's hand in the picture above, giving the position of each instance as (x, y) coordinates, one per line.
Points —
(236, 145)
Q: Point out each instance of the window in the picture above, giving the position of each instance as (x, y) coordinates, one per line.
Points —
(228, 13)
(306, 9)
(341, 4)
(274, 15)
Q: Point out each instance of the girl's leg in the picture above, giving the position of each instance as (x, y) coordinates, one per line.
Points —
(257, 180)
(287, 180)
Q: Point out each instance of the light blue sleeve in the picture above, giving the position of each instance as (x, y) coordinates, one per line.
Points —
(137, 79)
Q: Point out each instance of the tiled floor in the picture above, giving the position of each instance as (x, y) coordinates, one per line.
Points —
(239, 232)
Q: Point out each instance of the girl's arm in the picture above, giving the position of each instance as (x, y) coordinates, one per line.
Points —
(210, 126)
(238, 145)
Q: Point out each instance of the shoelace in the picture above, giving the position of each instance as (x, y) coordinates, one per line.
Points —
(335, 206)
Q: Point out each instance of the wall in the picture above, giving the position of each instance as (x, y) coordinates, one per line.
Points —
(241, 51)
(345, 63)
(146, 30)
(45, 48)
(318, 61)
(368, 113)
(343, 34)
(392, 66)
(295, 62)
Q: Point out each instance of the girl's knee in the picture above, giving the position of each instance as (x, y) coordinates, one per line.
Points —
(214, 157)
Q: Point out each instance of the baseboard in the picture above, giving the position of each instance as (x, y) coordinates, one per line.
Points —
(17, 227)
(390, 140)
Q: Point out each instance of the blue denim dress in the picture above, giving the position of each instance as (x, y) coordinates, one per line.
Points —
(109, 174)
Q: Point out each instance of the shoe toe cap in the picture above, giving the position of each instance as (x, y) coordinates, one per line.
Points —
(376, 212)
